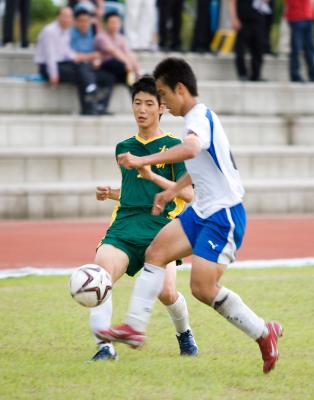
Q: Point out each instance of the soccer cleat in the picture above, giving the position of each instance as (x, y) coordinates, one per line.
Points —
(105, 352)
(123, 333)
(187, 344)
(269, 347)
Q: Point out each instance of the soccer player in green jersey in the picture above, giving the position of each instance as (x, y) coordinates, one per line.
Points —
(133, 227)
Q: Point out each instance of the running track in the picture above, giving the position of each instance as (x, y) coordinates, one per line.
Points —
(65, 243)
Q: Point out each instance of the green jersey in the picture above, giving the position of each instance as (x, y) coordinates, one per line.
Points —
(132, 219)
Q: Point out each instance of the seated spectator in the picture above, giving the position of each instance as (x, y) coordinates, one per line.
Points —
(299, 14)
(58, 63)
(95, 7)
(82, 41)
(116, 57)
(82, 35)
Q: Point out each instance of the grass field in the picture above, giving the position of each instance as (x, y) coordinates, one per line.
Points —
(45, 340)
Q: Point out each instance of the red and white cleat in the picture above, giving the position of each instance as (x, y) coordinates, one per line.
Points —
(269, 346)
(123, 333)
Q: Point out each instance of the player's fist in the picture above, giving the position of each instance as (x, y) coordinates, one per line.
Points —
(160, 201)
(103, 192)
(146, 172)
(128, 161)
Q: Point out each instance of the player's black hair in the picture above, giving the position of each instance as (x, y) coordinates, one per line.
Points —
(145, 84)
(175, 70)
(110, 14)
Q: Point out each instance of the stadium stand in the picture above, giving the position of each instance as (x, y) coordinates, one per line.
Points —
(51, 159)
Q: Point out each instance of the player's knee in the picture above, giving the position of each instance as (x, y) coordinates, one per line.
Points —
(154, 255)
(202, 293)
(168, 295)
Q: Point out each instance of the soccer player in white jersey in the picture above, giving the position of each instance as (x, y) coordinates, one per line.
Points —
(211, 229)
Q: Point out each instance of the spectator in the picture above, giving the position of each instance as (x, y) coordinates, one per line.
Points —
(140, 22)
(8, 25)
(205, 26)
(248, 19)
(95, 7)
(299, 14)
(170, 23)
(58, 63)
(116, 57)
(82, 41)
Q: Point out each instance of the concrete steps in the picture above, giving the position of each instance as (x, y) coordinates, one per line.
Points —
(51, 159)
(234, 98)
(206, 66)
(60, 130)
(56, 164)
(72, 199)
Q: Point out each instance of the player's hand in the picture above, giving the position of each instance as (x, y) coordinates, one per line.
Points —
(160, 201)
(128, 161)
(103, 192)
(146, 172)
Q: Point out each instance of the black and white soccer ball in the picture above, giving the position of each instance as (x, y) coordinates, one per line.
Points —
(90, 285)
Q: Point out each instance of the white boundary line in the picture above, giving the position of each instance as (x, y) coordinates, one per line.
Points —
(253, 264)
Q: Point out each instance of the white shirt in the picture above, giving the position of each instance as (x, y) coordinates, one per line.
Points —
(53, 46)
(216, 181)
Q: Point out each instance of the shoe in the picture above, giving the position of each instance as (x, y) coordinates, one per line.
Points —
(123, 333)
(269, 347)
(187, 344)
(106, 352)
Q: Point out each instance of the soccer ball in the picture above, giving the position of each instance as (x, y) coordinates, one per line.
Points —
(90, 285)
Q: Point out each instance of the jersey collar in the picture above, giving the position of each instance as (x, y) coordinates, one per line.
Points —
(143, 141)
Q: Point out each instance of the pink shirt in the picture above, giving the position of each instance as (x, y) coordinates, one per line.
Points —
(105, 42)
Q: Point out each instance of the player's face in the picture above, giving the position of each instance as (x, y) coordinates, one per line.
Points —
(170, 98)
(146, 110)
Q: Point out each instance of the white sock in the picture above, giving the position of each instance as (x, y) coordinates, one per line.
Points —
(230, 305)
(179, 314)
(146, 289)
(100, 317)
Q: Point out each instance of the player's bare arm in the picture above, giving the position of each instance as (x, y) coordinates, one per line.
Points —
(161, 199)
(185, 194)
(106, 192)
(184, 151)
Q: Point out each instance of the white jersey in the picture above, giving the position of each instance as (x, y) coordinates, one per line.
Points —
(216, 180)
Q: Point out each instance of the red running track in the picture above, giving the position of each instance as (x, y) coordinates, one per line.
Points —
(61, 243)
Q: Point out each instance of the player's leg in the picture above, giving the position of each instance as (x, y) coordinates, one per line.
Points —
(115, 262)
(150, 283)
(215, 247)
(204, 285)
(178, 311)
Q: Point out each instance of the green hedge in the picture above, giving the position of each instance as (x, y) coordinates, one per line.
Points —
(43, 10)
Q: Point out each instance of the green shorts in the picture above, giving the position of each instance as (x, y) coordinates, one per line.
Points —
(133, 233)
(136, 254)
